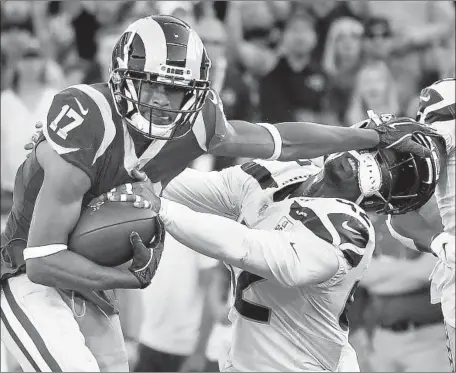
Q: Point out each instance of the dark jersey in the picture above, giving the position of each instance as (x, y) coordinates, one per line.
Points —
(84, 128)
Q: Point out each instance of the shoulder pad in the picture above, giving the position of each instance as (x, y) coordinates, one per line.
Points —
(211, 120)
(339, 222)
(80, 126)
(80, 118)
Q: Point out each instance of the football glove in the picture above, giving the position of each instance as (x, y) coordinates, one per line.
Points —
(146, 259)
(443, 247)
(396, 133)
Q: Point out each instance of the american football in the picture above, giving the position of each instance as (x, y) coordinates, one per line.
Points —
(103, 231)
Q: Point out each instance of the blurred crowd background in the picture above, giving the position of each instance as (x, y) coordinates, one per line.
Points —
(272, 61)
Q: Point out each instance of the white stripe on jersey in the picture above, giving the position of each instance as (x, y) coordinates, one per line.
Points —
(106, 113)
(154, 41)
(194, 56)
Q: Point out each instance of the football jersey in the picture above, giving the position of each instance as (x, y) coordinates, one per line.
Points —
(282, 325)
(84, 128)
(437, 109)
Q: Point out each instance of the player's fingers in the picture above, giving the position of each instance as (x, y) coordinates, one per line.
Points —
(124, 188)
(142, 203)
(122, 197)
(29, 146)
(136, 241)
(411, 146)
(39, 125)
(36, 136)
(103, 197)
(139, 175)
(426, 130)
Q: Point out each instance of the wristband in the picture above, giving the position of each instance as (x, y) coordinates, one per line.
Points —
(40, 251)
(276, 138)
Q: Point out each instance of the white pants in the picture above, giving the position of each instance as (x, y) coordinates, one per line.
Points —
(41, 331)
(348, 363)
(415, 350)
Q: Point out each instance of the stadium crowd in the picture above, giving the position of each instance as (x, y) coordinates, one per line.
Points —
(321, 61)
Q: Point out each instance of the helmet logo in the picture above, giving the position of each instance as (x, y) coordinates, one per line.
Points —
(122, 63)
(116, 79)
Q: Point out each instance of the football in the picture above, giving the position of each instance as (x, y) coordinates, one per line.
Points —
(102, 233)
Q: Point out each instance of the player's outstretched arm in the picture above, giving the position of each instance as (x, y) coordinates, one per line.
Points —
(56, 213)
(416, 233)
(277, 256)
(300, 140)
(290, 141)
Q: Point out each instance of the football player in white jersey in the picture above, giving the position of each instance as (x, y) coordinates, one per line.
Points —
(295, 272)
(437, 109)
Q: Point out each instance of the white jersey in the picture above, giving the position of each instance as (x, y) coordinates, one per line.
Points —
(442, 290)
(283, 324)
(439, 114)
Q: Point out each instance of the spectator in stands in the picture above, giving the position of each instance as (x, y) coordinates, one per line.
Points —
(16, 15)
(98, 70)
(6, 172)
(326, 12)
(294, 89)
(375, 89)
(253, 36)
(23, 104)
(409, 334)
(179, 9)
(341, 61)
(405, 35)
(226, 78)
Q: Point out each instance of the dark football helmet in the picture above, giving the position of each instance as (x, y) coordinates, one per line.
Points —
(395, 183)
(159, 51)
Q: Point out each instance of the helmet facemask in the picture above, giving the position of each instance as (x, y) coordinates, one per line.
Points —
(131, 91)
(407, 181)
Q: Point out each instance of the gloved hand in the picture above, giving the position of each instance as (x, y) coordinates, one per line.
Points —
(443, 247)
(396, 133)
(147, 258)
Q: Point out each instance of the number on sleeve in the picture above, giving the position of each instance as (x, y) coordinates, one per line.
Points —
(70, 113)
(249, 310)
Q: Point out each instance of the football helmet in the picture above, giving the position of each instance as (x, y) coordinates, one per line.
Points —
(153, 52)
(437, 103)
(393, 182)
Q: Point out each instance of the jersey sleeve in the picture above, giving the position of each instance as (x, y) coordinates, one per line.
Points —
(289, 258)
(79, 127)
(220, 193)
(210, 121)
(341, 224)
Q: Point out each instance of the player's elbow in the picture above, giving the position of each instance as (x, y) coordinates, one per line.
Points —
(38, 271)
(317, 274)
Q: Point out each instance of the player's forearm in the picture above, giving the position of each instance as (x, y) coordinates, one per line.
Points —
(205, 233)
(67, 270)
(50, 263)
(310, 140)
(412, 230)
(299, 140)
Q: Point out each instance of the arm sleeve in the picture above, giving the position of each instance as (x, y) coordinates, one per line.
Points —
(79, 127)
(210, 121)
(289, 258)
(219, 193)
